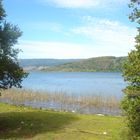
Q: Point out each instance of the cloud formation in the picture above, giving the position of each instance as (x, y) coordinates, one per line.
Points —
(107, 33)
(66, 50)
(107, 38)
(82, 3)
(72, 4)
(47, 49)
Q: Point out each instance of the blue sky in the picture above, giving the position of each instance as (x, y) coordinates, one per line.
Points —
(72, 29)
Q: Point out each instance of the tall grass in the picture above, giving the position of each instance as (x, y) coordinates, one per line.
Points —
(60, 101)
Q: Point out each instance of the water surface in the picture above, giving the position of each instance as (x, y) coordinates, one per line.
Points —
(77, 83)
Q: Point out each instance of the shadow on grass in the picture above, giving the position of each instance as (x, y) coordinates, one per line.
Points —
(29, 124)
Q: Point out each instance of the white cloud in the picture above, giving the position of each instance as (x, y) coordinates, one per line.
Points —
(108, 38)
(63, 50)
(71, 3)
(35, 49)
(82, 3)
(103, 32)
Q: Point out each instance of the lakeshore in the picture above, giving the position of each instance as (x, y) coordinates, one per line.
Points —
(60, 101)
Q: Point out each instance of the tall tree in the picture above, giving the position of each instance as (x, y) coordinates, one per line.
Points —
(131, 73)
(11, 74)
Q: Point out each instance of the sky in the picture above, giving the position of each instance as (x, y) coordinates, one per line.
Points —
(65, 29)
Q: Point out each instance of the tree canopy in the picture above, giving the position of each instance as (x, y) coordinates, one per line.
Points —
(131, 73)
(11, 74)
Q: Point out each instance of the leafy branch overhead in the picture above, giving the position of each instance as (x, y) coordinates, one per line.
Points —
(135, 15)
(11, 74)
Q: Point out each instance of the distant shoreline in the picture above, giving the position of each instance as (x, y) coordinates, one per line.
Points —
(97, 64)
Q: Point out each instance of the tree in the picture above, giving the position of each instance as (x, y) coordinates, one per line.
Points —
(131, 73)
(11, 74)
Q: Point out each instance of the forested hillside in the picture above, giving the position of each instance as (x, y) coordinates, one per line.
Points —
(106, 64)
(45, 62)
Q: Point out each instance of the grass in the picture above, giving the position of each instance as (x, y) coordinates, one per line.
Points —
(24, 123)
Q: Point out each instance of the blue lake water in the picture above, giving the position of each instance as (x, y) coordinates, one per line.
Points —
(77, 83)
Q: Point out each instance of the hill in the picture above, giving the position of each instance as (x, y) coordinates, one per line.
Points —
(45, 62)
(39, 64)
(103, 64)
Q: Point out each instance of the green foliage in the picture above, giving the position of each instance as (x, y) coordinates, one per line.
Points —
(11, 73)
(2, 11)
(131, 73)
(135, 15)
(131, 107)
(105, 64)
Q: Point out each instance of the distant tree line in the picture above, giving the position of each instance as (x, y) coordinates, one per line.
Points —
(98, 64)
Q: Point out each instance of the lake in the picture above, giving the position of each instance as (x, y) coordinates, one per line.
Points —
(77, 83)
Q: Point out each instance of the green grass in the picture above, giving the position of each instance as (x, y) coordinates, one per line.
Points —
(33, 124)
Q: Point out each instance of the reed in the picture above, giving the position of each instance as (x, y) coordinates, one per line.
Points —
(62, 101)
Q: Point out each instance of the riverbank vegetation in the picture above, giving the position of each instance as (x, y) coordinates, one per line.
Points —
(19, 123)
(88, 104)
